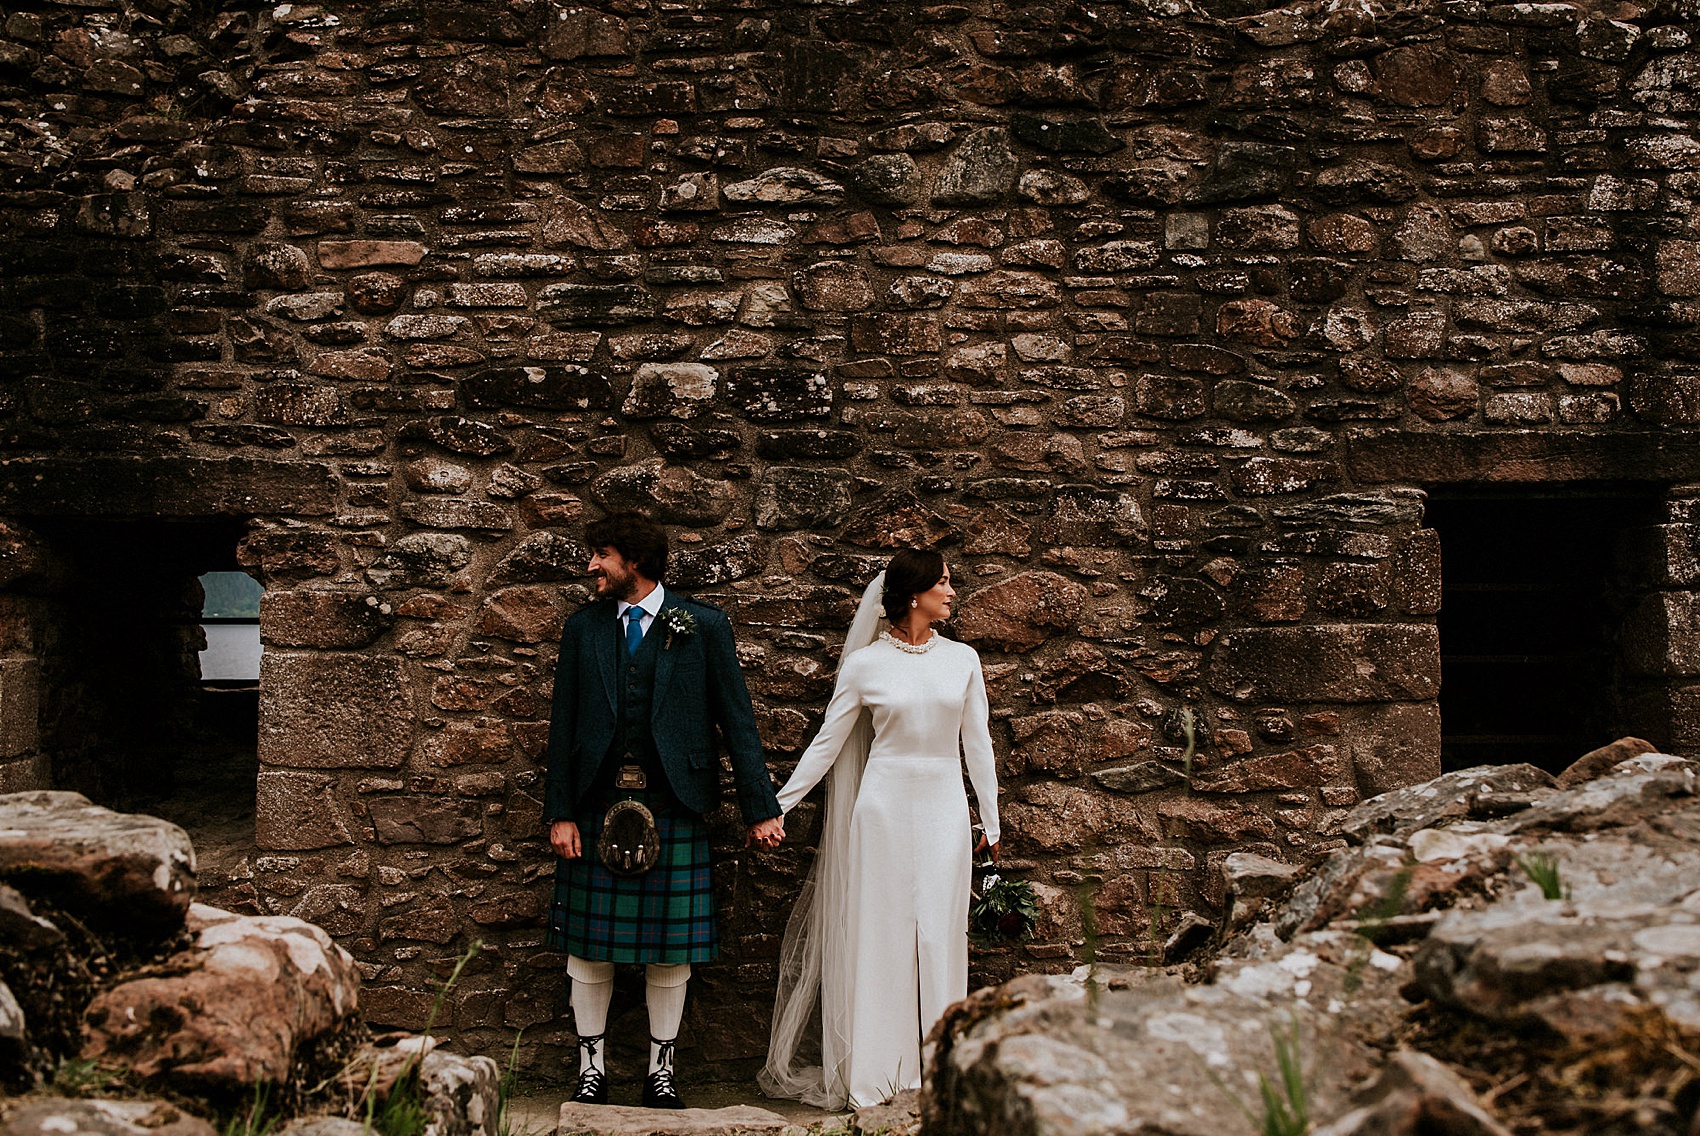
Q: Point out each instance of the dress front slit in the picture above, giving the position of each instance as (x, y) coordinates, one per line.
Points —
(911, 841)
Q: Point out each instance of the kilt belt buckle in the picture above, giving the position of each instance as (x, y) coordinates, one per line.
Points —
(631, 777)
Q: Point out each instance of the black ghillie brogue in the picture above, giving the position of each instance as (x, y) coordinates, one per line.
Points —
(658, 1090)
(592, 1082)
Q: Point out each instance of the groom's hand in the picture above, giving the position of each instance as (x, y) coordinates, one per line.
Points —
(564, 839)
(766, 833)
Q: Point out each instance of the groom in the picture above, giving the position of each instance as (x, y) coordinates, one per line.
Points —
(644, 679)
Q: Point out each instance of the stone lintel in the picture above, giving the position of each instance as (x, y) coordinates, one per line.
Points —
(115, 486)
(1448, 457)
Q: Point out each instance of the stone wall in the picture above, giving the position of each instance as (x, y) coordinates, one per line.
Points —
(1156, 318)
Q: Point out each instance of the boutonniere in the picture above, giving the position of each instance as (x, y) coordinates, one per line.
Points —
(677, 621)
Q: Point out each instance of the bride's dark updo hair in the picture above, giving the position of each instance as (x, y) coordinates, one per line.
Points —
(910, 573)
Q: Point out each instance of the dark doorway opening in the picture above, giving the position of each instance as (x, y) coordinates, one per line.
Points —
(126, 717)
(1533, 596)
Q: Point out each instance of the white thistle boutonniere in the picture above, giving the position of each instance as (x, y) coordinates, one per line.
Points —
(677, 621)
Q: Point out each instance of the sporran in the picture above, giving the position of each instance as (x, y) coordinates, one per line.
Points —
(629, 845)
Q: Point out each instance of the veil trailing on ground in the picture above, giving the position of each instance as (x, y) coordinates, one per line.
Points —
(814, 962)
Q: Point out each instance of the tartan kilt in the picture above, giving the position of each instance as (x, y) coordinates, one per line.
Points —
(665, 915)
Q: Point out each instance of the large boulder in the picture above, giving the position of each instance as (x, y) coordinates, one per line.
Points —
(231, 1011)
(1546, 929)
(57, 1116)
(117, 871)
(1136, 1051)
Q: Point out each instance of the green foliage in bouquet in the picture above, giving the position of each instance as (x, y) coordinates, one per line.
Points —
(1004, 911)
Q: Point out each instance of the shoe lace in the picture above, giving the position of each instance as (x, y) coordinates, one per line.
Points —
(590, 1073)
(663, 1075)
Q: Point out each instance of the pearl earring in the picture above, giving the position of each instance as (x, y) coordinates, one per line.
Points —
(914, 603)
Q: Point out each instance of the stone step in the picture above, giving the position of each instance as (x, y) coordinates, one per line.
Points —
(623, 1120)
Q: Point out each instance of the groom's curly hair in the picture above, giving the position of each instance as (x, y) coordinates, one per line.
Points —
(637, 538)
(911, 572)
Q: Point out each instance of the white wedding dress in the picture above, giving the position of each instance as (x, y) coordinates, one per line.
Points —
(892, 950)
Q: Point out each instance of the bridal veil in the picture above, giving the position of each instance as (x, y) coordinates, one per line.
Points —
(815, 959)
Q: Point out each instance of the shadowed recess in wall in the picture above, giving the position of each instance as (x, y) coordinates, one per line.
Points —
(1536, 586)
(126, 716)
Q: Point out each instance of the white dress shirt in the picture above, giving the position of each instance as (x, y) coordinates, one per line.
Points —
(650, 606)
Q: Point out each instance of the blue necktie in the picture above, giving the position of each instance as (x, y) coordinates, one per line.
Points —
(634, 629)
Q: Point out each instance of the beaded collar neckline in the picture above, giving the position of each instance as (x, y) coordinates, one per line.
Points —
(910, 648)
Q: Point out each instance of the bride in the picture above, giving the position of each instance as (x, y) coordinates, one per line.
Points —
(880, 932)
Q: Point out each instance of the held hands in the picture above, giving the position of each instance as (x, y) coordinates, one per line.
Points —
(564, 839)
(766, 833)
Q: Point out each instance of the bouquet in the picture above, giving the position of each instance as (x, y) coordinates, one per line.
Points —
(1002, 911)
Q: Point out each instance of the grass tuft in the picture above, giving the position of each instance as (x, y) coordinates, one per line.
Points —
(79, 1078)
(258, 1119)
(1286, 1104)
(1157, 914)
(506, 1090)
(1286, 1101)
(1088, 896)
(1543, 869)
(402, 1111)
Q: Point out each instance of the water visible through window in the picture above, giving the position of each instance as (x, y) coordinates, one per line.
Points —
(230, 616)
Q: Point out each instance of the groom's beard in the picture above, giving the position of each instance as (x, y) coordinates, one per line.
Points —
(620, 585)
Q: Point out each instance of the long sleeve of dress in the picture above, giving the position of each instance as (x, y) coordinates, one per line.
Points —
(841, 714)
(977, 750)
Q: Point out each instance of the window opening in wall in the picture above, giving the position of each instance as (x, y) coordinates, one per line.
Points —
(150, 683)
(1533, 595)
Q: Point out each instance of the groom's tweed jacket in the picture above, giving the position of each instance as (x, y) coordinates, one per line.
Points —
(698, 693)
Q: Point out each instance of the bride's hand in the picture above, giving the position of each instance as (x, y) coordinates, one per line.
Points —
(983, 846)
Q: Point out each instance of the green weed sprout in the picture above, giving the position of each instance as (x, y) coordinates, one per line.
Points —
(75, 1077)
(1089, 940)
(1286, 1107)
(505, 1091)
(1542, 869)
(1159, 913)
(1373, 918)
(403, 1112)
(1286, 1101)
(258, 1120)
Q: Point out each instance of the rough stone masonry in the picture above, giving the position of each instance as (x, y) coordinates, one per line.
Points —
(1158, 317)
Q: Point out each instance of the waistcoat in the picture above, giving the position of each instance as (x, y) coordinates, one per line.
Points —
(634, 736)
